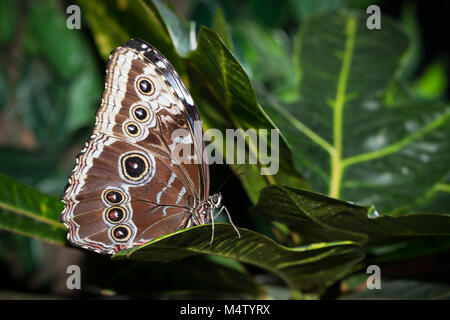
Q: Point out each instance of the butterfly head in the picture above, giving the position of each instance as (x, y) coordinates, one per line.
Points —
(216, 200)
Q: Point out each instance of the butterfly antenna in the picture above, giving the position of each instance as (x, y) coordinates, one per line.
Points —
(235, 173)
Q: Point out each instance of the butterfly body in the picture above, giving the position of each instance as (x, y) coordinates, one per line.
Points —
(126, 189)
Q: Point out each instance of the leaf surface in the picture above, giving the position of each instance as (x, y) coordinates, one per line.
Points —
(307, 268)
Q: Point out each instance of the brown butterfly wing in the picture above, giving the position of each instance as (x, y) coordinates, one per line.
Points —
(126, 189)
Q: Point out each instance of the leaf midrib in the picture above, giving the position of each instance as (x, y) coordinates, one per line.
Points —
(337, 163)
(338, 109)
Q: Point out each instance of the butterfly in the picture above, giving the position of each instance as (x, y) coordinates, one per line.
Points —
(127, 186)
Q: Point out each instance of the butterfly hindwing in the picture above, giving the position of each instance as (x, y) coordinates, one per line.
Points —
(126, 189)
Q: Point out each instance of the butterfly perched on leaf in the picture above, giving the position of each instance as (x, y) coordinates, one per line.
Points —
(128, 187)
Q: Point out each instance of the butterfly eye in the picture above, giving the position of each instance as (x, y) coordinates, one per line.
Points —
(140, 113)
(134, 166)
(121, 233)
(114, 197)
(145, 86)
(115, 214)
(132, 129)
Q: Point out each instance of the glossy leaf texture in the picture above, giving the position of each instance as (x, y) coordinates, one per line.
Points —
(25, 211)
(316, 217)
(309, 268)
(218, 82)
(345, 140)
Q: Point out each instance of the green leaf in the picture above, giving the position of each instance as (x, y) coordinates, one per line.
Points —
(84, 95)
(219, 25)
(25, 211)
(344, 141)
(181, 32)
(115, 22)
(267, 56)
(433, 82)
(104, 22)
(227, 90)
(316, 217)
(404, 250)
(436, 199)
(308, 268)
(410, 23)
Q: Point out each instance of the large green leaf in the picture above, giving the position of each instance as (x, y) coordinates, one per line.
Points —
(307, 268)
(317, 217)
(219, 25)
(345, 141)
(28, 212)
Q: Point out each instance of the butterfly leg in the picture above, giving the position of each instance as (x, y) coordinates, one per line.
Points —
(211, 212)
(212, 222)
(231, 221)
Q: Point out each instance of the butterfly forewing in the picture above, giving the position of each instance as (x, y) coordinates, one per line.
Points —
(126, 188)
